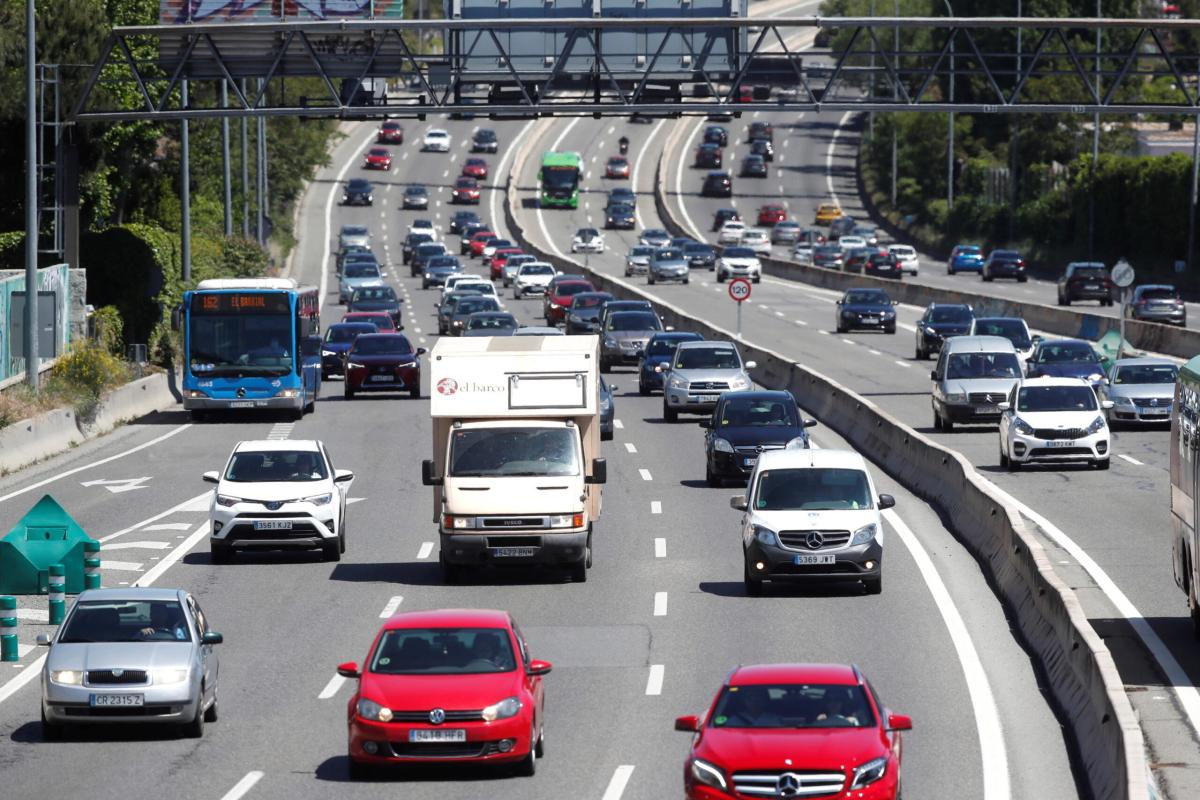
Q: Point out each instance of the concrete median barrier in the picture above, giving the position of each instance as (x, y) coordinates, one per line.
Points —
(133, 400)
(1081, 676)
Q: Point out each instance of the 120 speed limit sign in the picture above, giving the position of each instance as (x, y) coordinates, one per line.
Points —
(739, 289)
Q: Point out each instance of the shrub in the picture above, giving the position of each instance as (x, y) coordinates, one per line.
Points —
(84, 373)
(108, 329)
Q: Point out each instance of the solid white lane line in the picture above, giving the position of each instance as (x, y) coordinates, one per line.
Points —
(645, 473)
(660, 548)
(140, 545)
(687, 148)
(426, 549)
(983, 702)
(155, 572)
(244, 785)
(391, 607)
(655, 507)
(654, 681)
(332, 687)
(493, 201)
(829, 158)
(546, 238)
(333, 187)
(660, 604)
(1130, 459)
(904, 364)
(637, 165)
(630, 448)
(616, 786)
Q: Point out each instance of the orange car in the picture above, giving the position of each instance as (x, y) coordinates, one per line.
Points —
(827, 213)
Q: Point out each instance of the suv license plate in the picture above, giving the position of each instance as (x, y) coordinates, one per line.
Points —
(273, 525)
(809, 560)
(103, 700)
(1061, 443)
(707, 398)
(440, 735)
(513, 552)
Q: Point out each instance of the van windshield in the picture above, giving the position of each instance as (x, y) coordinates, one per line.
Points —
(514, 452)
(982, 365)
(812, 489)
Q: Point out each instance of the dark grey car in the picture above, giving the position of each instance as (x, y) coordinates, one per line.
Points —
(625, 337)
(1157, 303)
(667, 264)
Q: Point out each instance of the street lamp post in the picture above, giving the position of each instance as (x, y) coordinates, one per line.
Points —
(895, 96)
(950, 126)
(31, 202)
(1095, 150)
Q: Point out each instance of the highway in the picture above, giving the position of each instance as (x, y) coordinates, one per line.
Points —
(650, 636)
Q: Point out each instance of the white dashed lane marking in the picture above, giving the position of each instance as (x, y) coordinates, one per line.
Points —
(645, 473)
(616, 786)
(654, 682)
(655, 507)
(660, 604)
(629, 447)
(426, 549)
(1131, 459)
(660, 548)
(391, 607)
(331, 688)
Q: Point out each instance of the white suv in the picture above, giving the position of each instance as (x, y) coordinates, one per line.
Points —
(436, 141)
(1054, 420)
(278, 494)
(731, 232)
(811, 515)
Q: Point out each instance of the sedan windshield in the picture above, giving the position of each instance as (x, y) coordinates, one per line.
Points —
(633, 321)
(490, 322)
(793, 706)
(983, 365)
(347, 333)
(740, 411)
(868, 297)
(1056, 398)
(443, 651)
(1147, 373)
(276, 466)
(740, 252)
(469, 305)
(707, 358)
(950, 314)
(814, 489)
(569, 289)
(1066, 353)
(376, 293)
(537, 269)
(668, 255)
(662, 347)
(127, 621)
(381, 345)
(361, 270)
(513, 452)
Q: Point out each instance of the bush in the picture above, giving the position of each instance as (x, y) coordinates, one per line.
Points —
(89, 368)
(108, 329)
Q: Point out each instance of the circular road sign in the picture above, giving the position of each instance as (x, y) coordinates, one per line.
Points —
(739, 289)
(1122, 274)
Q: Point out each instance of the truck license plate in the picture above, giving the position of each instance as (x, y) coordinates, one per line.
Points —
(809, 560)
(513, 552)
(103, 700)
(273, 525)
(440, 735)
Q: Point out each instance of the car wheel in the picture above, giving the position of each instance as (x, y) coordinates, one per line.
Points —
(649, 279)
(541, 742)
(1103, 464)
(685, 281)
(873, 585)
(669, 414)
(758, 279)
(1003, 459)
(1013, 465)
(840, 329)
(451, 573)
(712, 479)
(1193, 604)
(213, 713)
(1066, 300)
(1023, 279)
(342, 538)
(720, 277)
(324, 375)
(1060, 299)
(949, 270)
(920, 356)
(332, 551)
(890, 329)
(195, 728)
(605, 436)
(754, 586)
(579, 571)
(51, 731)
(937, 420)
(643, 389)
(199, 415)
(527, 767)
(947, 425)
(605, 367)
(986, 278)
(415, 392)
(219, 552)
(361, 772)
(347, 392)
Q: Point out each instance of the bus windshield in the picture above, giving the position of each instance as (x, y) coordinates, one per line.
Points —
(562, 177)
(230, 345)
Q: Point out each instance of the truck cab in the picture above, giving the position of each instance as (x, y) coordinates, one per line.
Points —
(1185, 453)
(516, 465)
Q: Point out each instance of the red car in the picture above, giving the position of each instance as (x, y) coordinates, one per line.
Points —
(617, 167)
(769, 214)
(378, 158)
(442, 686)
(558, 298)
(380, 319)
(466, 190)
(480, 241)
(499, 259)
(475, 168)
(390, 133)
(794, 730)
(383, 362)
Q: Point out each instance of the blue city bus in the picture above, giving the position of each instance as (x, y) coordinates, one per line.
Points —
(251, 344)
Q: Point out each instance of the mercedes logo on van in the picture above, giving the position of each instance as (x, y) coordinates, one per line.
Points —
(437, 716)
(447, 386)
(814, 540)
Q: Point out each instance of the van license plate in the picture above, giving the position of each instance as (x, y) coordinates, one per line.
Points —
(806, 560)
(1061, 443)
(513, 552)
(440, 735)
(108, 700)
(273, 525)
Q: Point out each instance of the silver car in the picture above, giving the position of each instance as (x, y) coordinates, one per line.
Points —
(351, 235)
(637, 261)
(698, 374)
(974, 374)
(358, 275)
(137, 655)
(1141, 389)
(625, 337)
(668, 264)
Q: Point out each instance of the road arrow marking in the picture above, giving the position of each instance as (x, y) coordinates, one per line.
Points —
(119, 485)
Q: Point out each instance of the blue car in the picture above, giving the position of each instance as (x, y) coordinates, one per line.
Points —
(1066, 358)
(965, 258)
(608, 410)
(338, 340)
(659, 350)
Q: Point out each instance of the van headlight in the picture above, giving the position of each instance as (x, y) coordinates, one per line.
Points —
(1097, 425)
(722, 445)
(508, 707)
(869, 772)
(864, 534)
(765, 536)
(956, 397)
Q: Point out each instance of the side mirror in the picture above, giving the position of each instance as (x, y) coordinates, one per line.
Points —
(1004, 405)
(211, 638)
(540, 667)
(599, 472)
(343, 476)
(886, 501)
(933, 375)
(705, 423)
(348, 670)
(811, 423)
(658, 367)
(43, 640)
(895, 302)
(688, 724)
(612, 387)
(421, 351)
(841, 302)
(1107, 404)
(738, 502)
(211, 477)
(899, 722)
(751, 364)
(669, 328)
(429, 476)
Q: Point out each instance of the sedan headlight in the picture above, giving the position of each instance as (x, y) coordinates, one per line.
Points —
(1022, 426)
(888, 314)
(869, 772)
(708, 774)
(676, 383)
(319, 499)
(328, 353)
(369, 709)
(67, 677)
(508, 707)
(765, 536)
(1095, 377)
(170, 675)
(355, 365)
(864, 534)
(227, 501)
(722, 445)
(1097, 425)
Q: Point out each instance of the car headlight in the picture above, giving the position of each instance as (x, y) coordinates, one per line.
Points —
(1122, 401)
(567, 521)
(369, 709)
(1095, 377)
(766, 536)
(355, 365)
(889, 314)
(508, 707)
(708, 774)
(67, 677)
(676, 383)
(722, 445)
(1022, 426)
(227, 501)
(956, 397)
(169, 675)
(428, 275)
(554, 305)
(864, 534)
(869, 772)
(799, 441)
(319, 499)
(741, 382)
(609, 341)
(1097, 425)
(328, 353)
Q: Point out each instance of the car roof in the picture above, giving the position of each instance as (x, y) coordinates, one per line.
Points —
(260, 445)
(352, 325)
(1049, 381)
(680, 336)
(1144, 361)
(759, 394)
(448, 618)
(1167, 286)
(757, 674)
(129, 593)
(1045, 342)
(978, 344)
(804, 458)
(716, 344)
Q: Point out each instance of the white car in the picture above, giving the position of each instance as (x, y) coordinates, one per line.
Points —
(812, 509)
(472, 283)
(424, 226)
(278, 494)
(802, 253)
(848, 243)
(1054, 420)
(654, 237)
(731, 232)
(739, 262)
(906, 257)
(532, 278)
(587, 240)
(436, 141)
(512, 263)
(757, 240)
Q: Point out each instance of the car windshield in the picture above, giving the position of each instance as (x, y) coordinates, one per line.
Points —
(1066, 353)
(276, 466)
(361, 269)
(430, 249)
(1160, 293)
(375, 293)
(489, 322)
(950, 314)
(642, 250)
(827, 250)
(707, 358)
(698, 249)
(514, 452)
(1146, 373)
(868, 297)
(633, 321)
(1089, 273)
(662, 347)
(537, 269)
(354, 230)
(983, 365)
(740, 252)
(742, 411)
(443, 651)
(415, 190)
(358, 184)
(381, 321)
(469, 305)
(1056, 398)
(440, 262)
(347, 333)
(812, 489)
(793, 706)
(588, 300)
(668, 255)
(569, 289)
(1012, 329)
(127, 621)
(380, 345)
(587, 234)
(968, 250)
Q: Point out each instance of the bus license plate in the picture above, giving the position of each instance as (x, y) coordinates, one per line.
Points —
(440, 735)
(513, 552)
(803, 561)
(1061, 443)
(242, 404)
(109, 700)
(273, 525)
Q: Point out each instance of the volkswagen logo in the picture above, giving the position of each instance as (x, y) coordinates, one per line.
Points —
(116, 673)
(1153, 401)
(814, 540)
(758, 448)
(437, 716)
(788, 785)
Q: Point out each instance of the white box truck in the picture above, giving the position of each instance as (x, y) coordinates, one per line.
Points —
(516, 465)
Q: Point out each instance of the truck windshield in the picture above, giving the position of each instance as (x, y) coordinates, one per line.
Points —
(514, 452)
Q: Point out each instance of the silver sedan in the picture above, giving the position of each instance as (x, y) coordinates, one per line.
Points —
(1141, 389)
(137, 655)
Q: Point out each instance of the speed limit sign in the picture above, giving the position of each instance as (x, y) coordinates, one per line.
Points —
(739, 289)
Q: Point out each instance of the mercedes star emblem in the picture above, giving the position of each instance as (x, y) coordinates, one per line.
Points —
(814, 540)
(437, 716)
(788, 785)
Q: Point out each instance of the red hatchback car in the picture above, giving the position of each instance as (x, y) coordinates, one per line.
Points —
(440, 686)
(558, 299)
(475, 168)
(466, 190)
(499, 259)
(378, 158)
(480, 241)
(383, 362)
(390, 133)
(771, 213)
(795, 730)
(382, 321)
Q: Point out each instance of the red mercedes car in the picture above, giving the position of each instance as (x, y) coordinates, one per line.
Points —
(380, 319)
(383, 362)
(378, 158)
(794, 730)
(499, 259)
(440, 686)
(390, 133)
(617, 167)
(558, 298)
(771, 213)
(466, 190)
(475, 168)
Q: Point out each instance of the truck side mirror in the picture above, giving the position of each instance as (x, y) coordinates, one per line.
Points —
(429, 476)
(599, 471)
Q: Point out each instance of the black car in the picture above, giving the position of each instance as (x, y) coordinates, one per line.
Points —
(485, 141)
(883, 265)
(1085, 280)
(760, 130)
(715, 134)
(717, 184)
(1003, 264)
(764, 148)
(869, 309)
(620, 216)
(584, 313)
(620, 196)
(410, 244)
(841, 226)
(438, 268)
(350, 251)
(745, 424)
(722, 216)
(939, 322)
(754, 167)
(358, 192)
(377, 298)
(708, 156)
(416, 197)
(421, 256)
(461, 220)
(700, 255)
